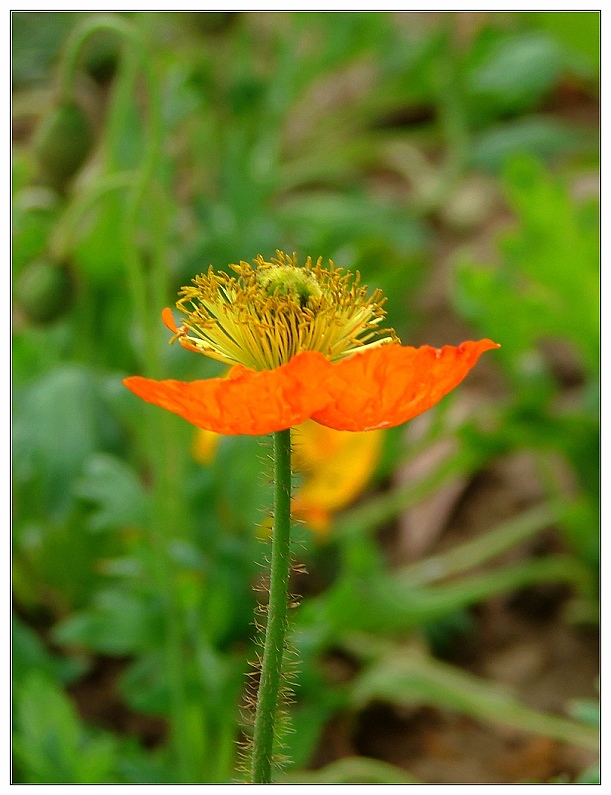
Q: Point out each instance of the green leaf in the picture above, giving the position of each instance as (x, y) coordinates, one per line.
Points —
(547, 285)
(34, 214)
(144, 684)
(586, 711)
(354, 217)
(114, 490)
(580, 525)
(389, 604)
(242, 496)
(353, 770)
(518, 72)
(539, 136)
(60, 421)
(117, 623)
(463, 558)
(137, 765)
(577, 31)
(98, 253)
(36, 42)
(22, 170)
(29, 655)
(38, 349)
(308, 721)
(50, 743)
(339, 38)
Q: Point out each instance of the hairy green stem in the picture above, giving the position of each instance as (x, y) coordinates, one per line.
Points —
(275, 632)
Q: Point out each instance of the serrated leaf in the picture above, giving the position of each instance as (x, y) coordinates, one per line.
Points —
(547, 285)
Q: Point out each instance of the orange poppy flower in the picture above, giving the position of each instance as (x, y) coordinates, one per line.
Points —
(304, 343)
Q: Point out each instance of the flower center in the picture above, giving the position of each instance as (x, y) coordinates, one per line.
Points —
(269, 313)
(287, 280)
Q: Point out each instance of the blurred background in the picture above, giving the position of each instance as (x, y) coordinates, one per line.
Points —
(447, 627)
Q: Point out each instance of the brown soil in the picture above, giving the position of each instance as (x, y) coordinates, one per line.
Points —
(100, 703)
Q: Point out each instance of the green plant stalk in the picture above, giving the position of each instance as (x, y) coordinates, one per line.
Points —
(466, 556)
(89, 26)
(159, 442)
(119, 110)
(431, 603)
(134, 57)
(407, 677)
(135, 267)
(453, 122)
(66, 232)
(277, 616)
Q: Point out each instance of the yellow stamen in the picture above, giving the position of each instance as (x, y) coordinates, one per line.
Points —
(269, 313)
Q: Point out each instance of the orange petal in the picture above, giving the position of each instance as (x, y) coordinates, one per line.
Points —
(387, 386)
(168, 320)
(246, 402)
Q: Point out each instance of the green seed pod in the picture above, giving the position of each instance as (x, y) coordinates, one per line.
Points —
(43, 290)
(101, 57)
(62, 144)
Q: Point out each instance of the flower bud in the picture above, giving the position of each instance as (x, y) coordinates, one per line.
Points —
(62, 144)
(43, 290)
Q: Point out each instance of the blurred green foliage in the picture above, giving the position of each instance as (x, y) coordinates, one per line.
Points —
(547, 290)
(148, 145)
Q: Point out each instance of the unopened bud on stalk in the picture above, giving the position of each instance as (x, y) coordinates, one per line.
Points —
(62, 144)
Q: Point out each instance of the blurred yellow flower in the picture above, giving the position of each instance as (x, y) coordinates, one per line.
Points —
(336, 466)
(203, 448)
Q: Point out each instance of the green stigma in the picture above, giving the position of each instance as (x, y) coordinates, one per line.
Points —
(288, 281)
